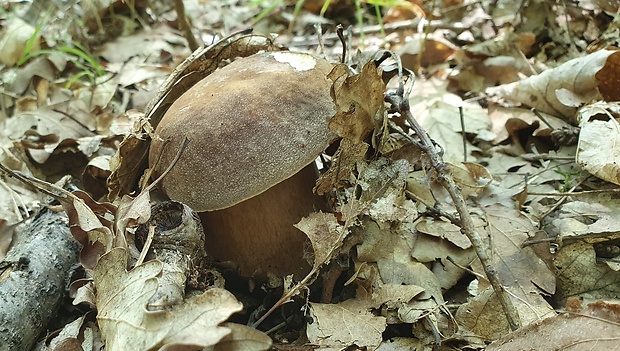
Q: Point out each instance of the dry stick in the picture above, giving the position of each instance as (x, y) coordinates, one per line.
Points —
(464, 135)
(184, 26)
(390, 27)
(467, 224)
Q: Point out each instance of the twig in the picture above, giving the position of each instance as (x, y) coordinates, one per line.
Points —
(184, 25)
(400, 102)
(464, 136)
(389, 28)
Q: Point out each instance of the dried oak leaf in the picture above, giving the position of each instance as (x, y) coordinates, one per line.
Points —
(561, 90)
(126, 324)
(359, 101)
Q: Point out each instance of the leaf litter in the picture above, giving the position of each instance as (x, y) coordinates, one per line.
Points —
(406, 274)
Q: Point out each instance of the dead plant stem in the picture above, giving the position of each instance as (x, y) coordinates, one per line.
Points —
(467, 224)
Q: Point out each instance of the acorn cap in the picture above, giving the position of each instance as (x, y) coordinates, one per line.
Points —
(250, 125)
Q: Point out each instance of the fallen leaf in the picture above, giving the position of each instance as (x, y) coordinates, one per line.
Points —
(326, 236)
(359, 101)
(126, 324)
(595, 327)
(345, 324)
(599, 137)
(540, 91)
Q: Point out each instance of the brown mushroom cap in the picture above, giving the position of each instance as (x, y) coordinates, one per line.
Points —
(250, 125)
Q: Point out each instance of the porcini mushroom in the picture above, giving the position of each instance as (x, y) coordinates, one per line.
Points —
(254, 129)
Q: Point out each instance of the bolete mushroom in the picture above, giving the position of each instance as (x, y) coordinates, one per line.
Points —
(254, 129)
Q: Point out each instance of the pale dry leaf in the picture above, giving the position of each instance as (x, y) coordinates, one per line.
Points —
(419, 187)
(345, 324)
(68, 335)
(380, 177)
(125, 323)
(43, 130)
(593, 219)
(17, 200)
(243, 338)
(150, 45)
(394, 295)
(41, 66)
(393, 207)
(325, 233)
(580, 275)
(540, 91)
(598, 150)
(446, 230)
(594, 327)
(14, 38)
(401, 344)
(132, 212)
(483, 315)
(383, 240)
(438, 112)
(400, 270)
(411, 273)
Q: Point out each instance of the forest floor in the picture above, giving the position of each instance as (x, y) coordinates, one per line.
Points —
(472, 194)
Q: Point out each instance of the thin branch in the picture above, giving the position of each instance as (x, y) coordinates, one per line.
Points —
(184, 26)
(400, 101)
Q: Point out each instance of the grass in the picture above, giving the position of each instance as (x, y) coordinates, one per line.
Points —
(270, 5)
(76, 54)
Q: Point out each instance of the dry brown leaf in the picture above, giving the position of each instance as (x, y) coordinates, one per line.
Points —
(580, 275)
(326, 236)
(609, 78)
(345, 324)
(342, 166)
(125, 323)
(433, 47)
(359, 101)
(595, 327)
(577, 76)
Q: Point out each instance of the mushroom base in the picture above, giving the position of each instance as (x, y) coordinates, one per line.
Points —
(258, 234)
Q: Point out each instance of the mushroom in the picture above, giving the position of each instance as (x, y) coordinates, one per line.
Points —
(254, 129)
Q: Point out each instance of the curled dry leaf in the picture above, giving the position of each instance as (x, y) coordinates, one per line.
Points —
(243, 338)
(599, 137)
(125, 323)
(559, 91)
(359, 101)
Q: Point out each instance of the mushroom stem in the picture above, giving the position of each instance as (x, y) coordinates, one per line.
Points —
(258, 234)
